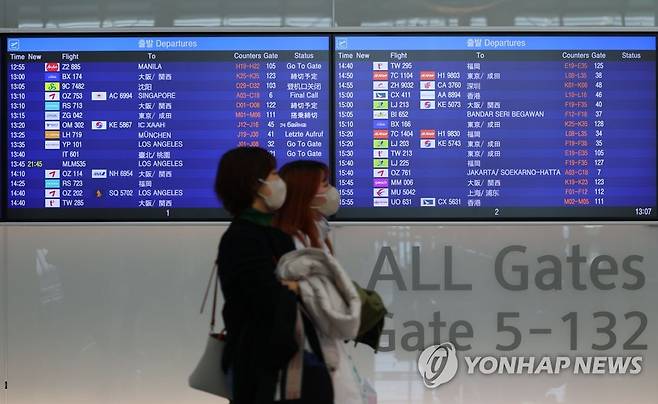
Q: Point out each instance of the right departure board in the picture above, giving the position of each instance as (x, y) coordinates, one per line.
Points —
(532, 127)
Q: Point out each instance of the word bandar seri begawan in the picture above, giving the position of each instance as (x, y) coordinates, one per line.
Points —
(455, 127)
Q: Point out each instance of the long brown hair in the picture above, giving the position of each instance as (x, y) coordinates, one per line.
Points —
(296, 217)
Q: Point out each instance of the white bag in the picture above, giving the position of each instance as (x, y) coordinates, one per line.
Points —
(346, 379)
(208, 375)
(349, 386)
(368, 392)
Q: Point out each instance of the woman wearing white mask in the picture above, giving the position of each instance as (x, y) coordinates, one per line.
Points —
(309, 201)
(260, 313)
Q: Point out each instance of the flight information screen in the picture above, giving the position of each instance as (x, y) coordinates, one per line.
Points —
(104, 128)
(495, 127)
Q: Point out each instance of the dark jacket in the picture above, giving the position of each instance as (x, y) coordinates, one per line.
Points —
(259, 312)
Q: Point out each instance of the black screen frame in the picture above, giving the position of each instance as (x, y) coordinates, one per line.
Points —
(219, 214)
(412, 215)
(132, 214)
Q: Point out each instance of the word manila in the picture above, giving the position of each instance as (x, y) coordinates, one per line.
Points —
(515, 270)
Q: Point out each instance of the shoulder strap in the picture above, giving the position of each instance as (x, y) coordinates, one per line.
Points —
(214, 273)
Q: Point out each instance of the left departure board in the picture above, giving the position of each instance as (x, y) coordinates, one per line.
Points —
(132, 128)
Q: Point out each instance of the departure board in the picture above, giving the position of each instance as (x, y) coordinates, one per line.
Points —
(496, 127)
(124, 127)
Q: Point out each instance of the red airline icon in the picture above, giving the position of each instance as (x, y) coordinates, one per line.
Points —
(380, 75)
(380, 134)
(52, 173)
(52, 67)
(427, 134)
(427, 75)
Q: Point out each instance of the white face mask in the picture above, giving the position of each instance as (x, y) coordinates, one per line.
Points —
(331, 202)
(277, 193)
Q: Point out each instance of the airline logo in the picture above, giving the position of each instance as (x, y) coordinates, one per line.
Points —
(427, 134)
(51, 116)
(52, 106)
(377, 75)
(380, 163)
(50, 86)
(99, 96)
(427, 144)
(380, 192)
(427, 75)
(51, 184)
(380, 95)
(380, 154)
(52, 134)
(380, 124)
(380, 144)
(380, 85)
(380, 104)
(427, 201)
(427, 95)
(52, 67)
(52, 125)
(51, 96)
(380, 114)
(98, 125)
(99, 173)
(51, 77)
(380, 202)
(427, 85)
(52, 145)
(379, 65)
(52, 203)
(380, 134)
(380, 173)
(52, 193)
(380, 182)
(52, 174)
(425, 104)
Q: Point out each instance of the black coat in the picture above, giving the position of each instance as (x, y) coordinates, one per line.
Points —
(259, 312)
